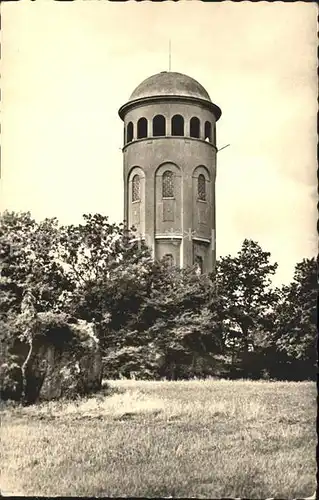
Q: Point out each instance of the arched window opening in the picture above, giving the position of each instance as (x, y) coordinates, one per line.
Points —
(136, 188)
(194, 127)
(129, 132)
(198, 264)
(142, 128)
(178, 125)
(208, 131)
(201, 187)
(159, 126)
(169, 259)
(168, 184)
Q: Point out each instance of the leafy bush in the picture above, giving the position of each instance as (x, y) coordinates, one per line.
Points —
(131, 362)
(10, 380)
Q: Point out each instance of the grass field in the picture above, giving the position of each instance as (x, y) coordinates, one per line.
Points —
(207, 439)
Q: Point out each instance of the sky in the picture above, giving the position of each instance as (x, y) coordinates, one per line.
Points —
(67, 67)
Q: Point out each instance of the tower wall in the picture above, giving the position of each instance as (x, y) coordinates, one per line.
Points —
(182, 226)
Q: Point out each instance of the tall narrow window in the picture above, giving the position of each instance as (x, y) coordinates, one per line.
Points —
(198, 264)
(129, 132)
(168, 258)
(208, 131)
(142, 128)
(194, 126)
(178, 125)
(168, 184)
(136, 188)
(201, 187)
(159, 126)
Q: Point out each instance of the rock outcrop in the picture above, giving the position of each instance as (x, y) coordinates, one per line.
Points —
(60, 359)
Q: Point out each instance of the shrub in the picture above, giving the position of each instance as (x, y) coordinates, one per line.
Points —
(10, 380)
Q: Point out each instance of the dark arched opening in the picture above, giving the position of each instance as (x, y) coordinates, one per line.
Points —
(130, 131)
(208, 131)
(159, 126)
(169, 259)
(142, 128)
(178, 125)
(194, 127)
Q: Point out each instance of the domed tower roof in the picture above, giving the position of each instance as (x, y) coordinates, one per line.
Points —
(170, 84)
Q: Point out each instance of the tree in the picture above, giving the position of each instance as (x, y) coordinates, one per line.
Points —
(108, 270)
(187, 343)
(28, 255)
(94, 271)
(173, 324)
(295, 328)
(173, 291)
(244, 288)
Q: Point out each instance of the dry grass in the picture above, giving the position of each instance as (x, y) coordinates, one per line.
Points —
(207, 439)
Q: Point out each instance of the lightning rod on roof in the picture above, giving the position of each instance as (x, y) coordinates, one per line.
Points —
(169, 55)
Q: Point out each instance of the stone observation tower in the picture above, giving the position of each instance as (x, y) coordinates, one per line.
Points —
(169, 158)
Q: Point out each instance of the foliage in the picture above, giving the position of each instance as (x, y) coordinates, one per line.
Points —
(29, 263)
(152, 320)
(296, 313)
(244, 284)
(294, 332)
(132, 361)
(10, 380)
(108, 271)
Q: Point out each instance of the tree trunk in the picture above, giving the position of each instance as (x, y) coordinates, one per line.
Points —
(24, 368)
(245, 338)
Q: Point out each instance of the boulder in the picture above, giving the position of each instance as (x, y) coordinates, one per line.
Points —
(52, 356)
(64, 362)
